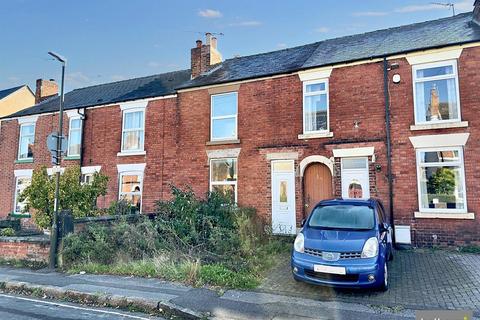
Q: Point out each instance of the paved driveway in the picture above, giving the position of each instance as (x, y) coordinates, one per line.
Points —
(421, 279)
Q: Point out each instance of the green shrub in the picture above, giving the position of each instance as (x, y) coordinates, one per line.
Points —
(7, 232)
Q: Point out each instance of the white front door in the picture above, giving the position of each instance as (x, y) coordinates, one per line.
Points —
(283, 197)
(355, 180)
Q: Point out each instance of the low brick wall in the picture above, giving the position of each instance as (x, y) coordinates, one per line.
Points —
(32, 248)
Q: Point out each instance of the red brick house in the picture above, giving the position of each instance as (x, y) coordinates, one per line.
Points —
(386, 114)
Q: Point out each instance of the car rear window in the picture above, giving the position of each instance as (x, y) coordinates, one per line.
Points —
(343, 217)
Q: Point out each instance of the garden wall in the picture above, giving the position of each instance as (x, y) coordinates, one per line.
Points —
(33, 248)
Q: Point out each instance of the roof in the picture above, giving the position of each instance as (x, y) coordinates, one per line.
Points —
(430, 34)
(7, 92)
(114, 92)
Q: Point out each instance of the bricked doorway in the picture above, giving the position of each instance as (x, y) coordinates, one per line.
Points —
(317, 185)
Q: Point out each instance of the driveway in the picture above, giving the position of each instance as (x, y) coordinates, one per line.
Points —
(419, 279)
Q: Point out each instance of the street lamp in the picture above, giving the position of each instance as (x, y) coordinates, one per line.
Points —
(54, 233)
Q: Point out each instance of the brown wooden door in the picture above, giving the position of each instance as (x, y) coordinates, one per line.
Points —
(317, 185)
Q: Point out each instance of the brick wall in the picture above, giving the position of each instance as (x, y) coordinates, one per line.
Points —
(24, 249)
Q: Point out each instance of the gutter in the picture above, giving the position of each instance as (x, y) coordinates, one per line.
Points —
(388, 142)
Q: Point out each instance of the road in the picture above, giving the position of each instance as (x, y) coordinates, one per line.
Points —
(23, 308)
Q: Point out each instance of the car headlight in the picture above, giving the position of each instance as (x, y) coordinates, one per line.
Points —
(370, 248)
(299, 244)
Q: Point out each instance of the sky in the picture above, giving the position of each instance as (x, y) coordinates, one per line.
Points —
(112, 40)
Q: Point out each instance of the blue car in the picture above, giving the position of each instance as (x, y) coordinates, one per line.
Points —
(344, 243)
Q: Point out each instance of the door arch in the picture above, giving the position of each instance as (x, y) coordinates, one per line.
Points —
(317, 185)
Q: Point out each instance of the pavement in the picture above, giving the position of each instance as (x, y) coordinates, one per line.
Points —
(14, 307)
(420, 279)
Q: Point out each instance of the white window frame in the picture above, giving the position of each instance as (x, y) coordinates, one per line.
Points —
(459, 163)
(18, 175)
(308, 94)
(416, 67)
(131, 173)
(222, 183)
(124, 113)
(89, 172)
(212, 118)
(70, 135)
(20, 138)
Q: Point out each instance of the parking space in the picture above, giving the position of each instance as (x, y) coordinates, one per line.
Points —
(418, 279)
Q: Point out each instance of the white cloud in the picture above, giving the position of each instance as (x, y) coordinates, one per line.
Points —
(250, 23)
(210, 13)
(78, 79)
(322, 30)
(463, 6)
(154, 64)
(281, 45)
(417, 8)
(370, 14)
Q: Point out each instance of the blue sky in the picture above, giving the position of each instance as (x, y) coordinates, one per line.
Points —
(110, 40)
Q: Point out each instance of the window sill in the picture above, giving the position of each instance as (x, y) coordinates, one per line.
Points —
(432, 126)
(315, 135)
(24, 161)
(72, 158)
(20, 215)
(218, 142)
(133, 153)
(445, 215)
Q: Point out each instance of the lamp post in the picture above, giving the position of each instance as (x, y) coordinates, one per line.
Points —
(54, 233)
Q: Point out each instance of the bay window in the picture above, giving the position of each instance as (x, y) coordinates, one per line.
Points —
(315, 106)
(224, 108)
(223, 177)
(441, 180)
(436, 94)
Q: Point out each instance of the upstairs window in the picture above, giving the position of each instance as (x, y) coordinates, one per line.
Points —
(436, 92)
(74, 137)
(223, 177)
(26, 141)
(133, 130)
(224, 116)
(441, 180)
(315, 106)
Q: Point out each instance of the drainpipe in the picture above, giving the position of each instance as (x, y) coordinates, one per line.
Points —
(388, 138)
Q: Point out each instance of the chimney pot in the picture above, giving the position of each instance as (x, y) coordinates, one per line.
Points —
(213, 42)
(208, 37)
(199, 43)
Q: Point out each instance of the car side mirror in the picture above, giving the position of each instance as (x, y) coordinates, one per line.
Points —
(303, 222)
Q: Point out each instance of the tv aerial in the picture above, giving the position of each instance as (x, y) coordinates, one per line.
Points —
(449, 5)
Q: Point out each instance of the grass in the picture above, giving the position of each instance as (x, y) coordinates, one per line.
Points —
(193, 272)
(35, 265)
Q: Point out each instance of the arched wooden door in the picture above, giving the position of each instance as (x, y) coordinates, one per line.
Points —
(317, 185)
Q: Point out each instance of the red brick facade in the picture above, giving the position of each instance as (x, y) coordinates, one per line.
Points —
(270, 118)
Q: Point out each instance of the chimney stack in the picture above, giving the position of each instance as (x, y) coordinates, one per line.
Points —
(476, 12)
(204, 56)
(45, 89)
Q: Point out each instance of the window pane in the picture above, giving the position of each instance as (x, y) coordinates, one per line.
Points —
(283, 166)
(439, 156)
(315, 87)
(435, 71)
(132, 140)
(87, 178)
(133, 120)
(224, 105)
(26, 147)
(224, 128)
(224, 170)
(283, 198)
(130, 183)
(442, 188)
(75, 124)
(226, 189)
(74, 142)
(27, 130)
(354, 163)
(436, 100)
(22, 184)
(316, 112)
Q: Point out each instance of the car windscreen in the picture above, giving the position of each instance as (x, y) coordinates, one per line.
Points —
(355, 217)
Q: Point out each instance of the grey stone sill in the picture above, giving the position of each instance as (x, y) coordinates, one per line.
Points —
(315, 135)
(445, 215)
(432, 126)
(128, 154)
(24, 161)
(219, 142)
(72, 158)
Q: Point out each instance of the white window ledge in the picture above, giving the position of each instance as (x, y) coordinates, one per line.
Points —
(219, 142)
(315, 135)
(127, 154)
(445, 215)
(430, 126)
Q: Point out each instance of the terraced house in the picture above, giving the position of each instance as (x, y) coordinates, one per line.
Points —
(389, 114)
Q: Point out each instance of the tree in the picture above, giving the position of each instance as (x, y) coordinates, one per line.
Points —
(80, 198)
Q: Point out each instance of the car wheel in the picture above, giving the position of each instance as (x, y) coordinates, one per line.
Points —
(384, 285)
